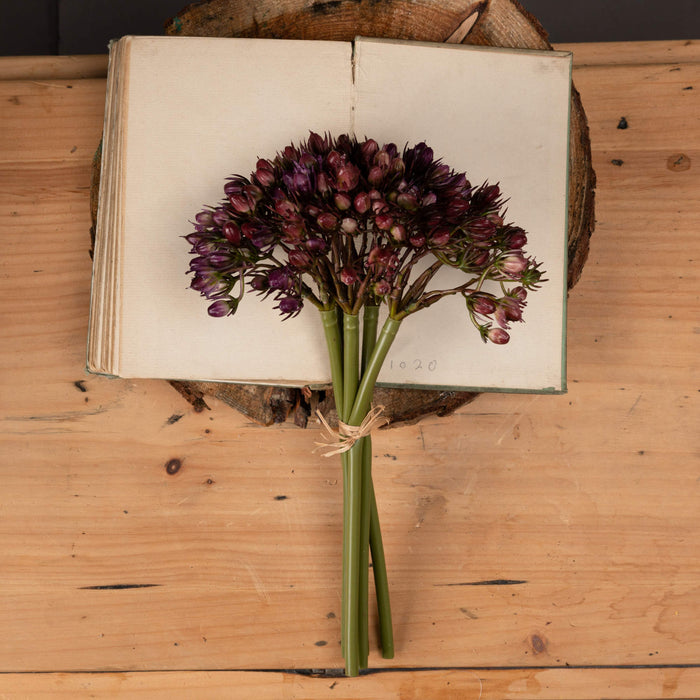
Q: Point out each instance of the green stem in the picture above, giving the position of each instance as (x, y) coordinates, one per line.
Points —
(381, 581)
(373, 358)
(369, 339)
(370, 322)
(335, 354)
(351, 361)
(351, 570)
(359, 504)
(353, 499)
(363, 397)
(332, 330)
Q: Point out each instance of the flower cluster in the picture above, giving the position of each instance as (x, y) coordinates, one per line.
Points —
(338, 222)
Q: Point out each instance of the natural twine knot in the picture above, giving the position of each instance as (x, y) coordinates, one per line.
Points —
(336, 442)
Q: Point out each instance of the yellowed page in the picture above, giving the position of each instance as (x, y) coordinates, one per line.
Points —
(500, 116)
(199, 110)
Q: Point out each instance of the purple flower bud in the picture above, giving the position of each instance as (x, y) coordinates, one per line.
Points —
(289, 306)
(362, 202)
(442, 172)
(221, 260)
(317, 143)
(348, 225)
(383, 221)
(210, 285)
(280, 278)
(417, 241)
(422, 156)
(235, 186)
(348, 177)
(253, 193)
(481, 303)
(259, 283)
(497, 336)
(407, 201)
(348, 276)
(429, 198)
(382, 259)
(232, 232)
(481, 229)
(258, 234)
(293, 232)
(513, 263)
(398, 232)
(327, 221)
(265, 177)
(196, 237)
(315, 244)
(379, 206)
(440, 237)
(342, 201)
(369, 148)
(299, 259)
(220, 216)
(222, 307)
(519, 293)
(204, 218)
(397, 166)
(495, 218)
(480, 259)
(298, 183)
(307, 160)
(486, 196)
(376, 175)
(381, 288)
(382, 159)
(516, 239)
(512, 308)
(240, 203)
(286, 209)
(334, 159)
(322, 183)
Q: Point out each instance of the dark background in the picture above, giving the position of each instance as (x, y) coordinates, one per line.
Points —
(39, 27)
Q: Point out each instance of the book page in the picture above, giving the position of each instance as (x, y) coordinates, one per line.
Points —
(501, 116)
(198, 111)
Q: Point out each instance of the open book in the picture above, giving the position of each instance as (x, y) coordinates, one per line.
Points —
(184, 113)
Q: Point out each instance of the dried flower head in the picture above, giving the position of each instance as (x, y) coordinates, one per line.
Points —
(335, 221)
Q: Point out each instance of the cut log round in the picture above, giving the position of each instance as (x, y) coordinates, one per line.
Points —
(503, 23)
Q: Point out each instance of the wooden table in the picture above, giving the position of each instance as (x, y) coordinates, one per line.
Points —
(538, 546)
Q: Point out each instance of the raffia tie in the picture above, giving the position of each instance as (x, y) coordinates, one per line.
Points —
(336, 442)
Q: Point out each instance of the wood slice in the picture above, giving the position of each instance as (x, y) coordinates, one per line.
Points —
(503, 23)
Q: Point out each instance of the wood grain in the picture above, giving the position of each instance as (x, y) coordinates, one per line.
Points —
(523, 533)
(446, 684)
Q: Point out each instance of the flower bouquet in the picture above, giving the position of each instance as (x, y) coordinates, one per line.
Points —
(350, 226)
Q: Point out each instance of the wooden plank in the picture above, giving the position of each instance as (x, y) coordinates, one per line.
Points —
(446, 684)
(619, 92)
(50, 120)
(633, 52)
(53, 67)
(588, 499)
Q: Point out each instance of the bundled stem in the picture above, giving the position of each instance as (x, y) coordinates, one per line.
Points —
(353, 391)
